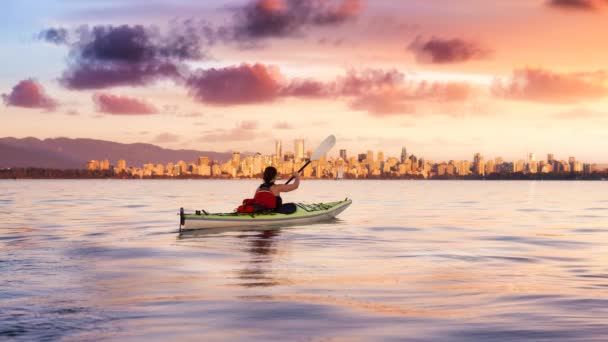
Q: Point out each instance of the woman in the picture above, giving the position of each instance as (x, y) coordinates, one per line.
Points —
(269, 193)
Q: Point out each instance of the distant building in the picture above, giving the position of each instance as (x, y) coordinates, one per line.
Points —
(403, 154)
(121, 165)
(298, 149)
(343, 155)
(278, 149)
(93, 165)
(104, 165)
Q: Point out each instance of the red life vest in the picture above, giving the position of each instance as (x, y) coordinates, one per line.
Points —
(263, 200)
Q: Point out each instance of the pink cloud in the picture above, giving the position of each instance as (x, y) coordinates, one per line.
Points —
(243, 84)
(29, 94)
(541, 85)
(122, 105)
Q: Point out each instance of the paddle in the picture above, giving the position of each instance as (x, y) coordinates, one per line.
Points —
(325, 147)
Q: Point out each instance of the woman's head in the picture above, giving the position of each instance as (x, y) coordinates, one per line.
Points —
(270, 174)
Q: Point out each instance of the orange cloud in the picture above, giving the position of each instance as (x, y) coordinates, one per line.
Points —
(541, 85)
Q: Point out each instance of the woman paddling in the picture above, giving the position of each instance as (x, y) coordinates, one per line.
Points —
(269, 193)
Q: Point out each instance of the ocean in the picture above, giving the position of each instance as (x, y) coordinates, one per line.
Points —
(102, 260)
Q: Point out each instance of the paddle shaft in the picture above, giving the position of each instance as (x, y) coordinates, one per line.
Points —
(300, 170)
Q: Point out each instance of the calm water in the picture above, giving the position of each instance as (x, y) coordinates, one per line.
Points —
(409, 260)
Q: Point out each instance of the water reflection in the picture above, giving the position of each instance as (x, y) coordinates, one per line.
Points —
(262, 248)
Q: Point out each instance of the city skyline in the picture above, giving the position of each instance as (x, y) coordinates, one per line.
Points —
(444, 79)
(370, 164)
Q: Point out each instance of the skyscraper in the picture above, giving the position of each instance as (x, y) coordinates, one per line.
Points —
(370, 157)
(550, 158)
(122, 165)
(203, 161)
(299, 149)
(278, 149)
(531, 157)
(403, 154)
(343, 155)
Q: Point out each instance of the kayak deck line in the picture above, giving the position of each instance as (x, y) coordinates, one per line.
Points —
(305, 213)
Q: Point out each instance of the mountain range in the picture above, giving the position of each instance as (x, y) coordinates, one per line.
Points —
(66, 153)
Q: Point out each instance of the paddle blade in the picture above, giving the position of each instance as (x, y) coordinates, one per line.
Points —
(325, 147)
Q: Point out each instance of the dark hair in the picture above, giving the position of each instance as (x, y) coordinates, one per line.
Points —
(269, 174)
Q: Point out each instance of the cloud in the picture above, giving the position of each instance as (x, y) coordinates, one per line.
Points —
(578, 113)
(122, 105)
(164, 138)
(445, 51)
(579, 5)
(248, 125)
(57, 36)
(382, 103)
(129, 55)
(281, 18)
(283, 125)
(378, 91)
(29, 94)
(541, 85)
(105, 75)
(306, 88)
(235, 85)
(238, 133)
(382, 92)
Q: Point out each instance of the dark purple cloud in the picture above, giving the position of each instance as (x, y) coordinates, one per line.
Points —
(444, 51)
(280, 18)
(29, 94)
(235, 85)
(579, 5)
(130, 55)
(101, 75)
(541, 85)
(122, 105)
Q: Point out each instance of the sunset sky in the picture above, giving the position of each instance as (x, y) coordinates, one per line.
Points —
(446, 79)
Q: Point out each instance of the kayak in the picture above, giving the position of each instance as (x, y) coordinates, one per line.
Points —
(305, 214)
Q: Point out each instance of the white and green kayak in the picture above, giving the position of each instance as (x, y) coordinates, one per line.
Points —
(305, 214)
